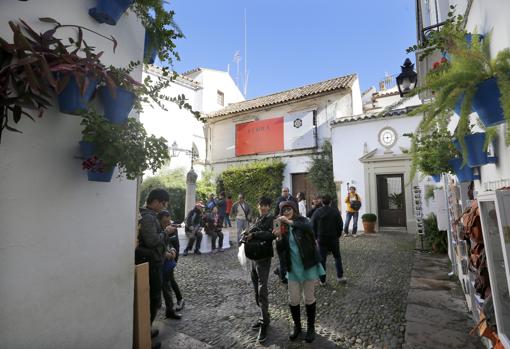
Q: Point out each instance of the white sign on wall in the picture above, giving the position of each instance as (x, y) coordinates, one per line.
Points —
(299, 130)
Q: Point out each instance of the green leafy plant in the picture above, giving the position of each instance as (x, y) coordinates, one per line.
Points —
(205, 185)
(436, 238)
(444, 39)
(126, 146)
(369, 217)
(35, 66)
(320, 171)
(254, 180)
(429, 193)
(160, 27)
(431, 149)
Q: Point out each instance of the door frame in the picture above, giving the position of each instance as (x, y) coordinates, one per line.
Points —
(392, 175)
(375, 164)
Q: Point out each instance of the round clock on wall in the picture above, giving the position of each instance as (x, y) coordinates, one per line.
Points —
(387, 137)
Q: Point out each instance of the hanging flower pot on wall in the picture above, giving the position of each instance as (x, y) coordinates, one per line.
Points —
(73, 101)
(476, 154)
(109, 11)
(118, 107)
(463, 173)
(96, 172)
(486, 103)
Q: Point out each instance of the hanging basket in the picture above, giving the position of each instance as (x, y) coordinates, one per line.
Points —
(476, 155)
(71, 101)
(109, 11)
(486, 103)
(87, 151)
(117, 109)
(464, 174)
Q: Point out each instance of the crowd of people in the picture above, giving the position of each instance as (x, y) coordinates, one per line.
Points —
(303, 239)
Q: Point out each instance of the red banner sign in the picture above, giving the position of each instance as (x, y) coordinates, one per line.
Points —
(263, 136)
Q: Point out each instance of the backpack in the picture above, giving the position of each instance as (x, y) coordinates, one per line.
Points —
(356, 204)
(257, 249)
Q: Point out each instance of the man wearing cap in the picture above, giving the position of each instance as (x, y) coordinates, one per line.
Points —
(193, 228)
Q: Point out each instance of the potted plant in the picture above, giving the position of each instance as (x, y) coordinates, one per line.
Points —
(128, 147)
(430, 150)
(436, 238)
(369, 220)
(118, 93)
(476, 148)
(109, 11)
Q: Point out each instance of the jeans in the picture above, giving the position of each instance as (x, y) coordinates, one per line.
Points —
(215, 235)
(167, 291)
(327, 245)
(260, 276)
(242, 224)
(226, 221)
(354, 216)
(155, 276)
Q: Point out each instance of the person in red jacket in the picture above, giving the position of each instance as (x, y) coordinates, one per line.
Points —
(228, 209)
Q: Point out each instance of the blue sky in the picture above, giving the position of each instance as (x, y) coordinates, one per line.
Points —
(294, 43)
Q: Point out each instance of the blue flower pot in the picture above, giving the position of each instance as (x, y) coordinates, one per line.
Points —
(469, 38)
(436, 178)
(70, 101)
(149, 56)
(109, 11)
(105, 176)
(476, 156)
(486, 103)
(464, 174)
(117, 109)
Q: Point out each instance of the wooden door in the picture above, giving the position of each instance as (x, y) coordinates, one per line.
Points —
(301, 183)
(391, 200)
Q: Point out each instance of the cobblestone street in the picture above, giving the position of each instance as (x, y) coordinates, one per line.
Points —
(367, 312)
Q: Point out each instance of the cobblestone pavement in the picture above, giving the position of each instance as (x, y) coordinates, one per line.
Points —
(367, 312)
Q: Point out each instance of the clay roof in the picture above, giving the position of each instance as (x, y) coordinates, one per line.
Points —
(331, 85)
(383, 114)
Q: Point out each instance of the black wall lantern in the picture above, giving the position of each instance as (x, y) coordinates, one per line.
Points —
(407, 79)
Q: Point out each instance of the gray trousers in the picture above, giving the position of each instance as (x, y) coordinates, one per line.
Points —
(241, 224)
(259, 276)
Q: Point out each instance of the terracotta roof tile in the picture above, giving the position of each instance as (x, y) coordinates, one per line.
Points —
(339, 83)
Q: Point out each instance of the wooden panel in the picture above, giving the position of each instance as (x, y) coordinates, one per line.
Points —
(141, 316)
(301, 183)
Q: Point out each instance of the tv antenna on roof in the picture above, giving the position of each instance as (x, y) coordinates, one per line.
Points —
(237, 59)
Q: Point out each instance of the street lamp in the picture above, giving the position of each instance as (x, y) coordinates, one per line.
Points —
(407, 79)
(175, 151)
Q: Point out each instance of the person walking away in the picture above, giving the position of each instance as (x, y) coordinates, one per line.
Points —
(353, 202)
(327, 225)
(151, 248)
(228, 209)
(302, 204)
(260, 233)
(221, 204)
(193, 229)
(316, 203)
(241, 212)
(213, 225)
(169, 263)
(298, 247)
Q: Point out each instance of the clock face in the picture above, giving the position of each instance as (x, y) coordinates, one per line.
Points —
(387, 137)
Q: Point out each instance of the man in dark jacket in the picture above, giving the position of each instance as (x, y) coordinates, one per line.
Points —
(151, 247)
(316, 204)
(327, 226)
(193, 228)
(261, 232)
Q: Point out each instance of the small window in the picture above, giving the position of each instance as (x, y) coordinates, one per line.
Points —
(220, 98)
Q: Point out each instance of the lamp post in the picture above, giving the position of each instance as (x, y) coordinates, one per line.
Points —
(191, 176)
(407, 79)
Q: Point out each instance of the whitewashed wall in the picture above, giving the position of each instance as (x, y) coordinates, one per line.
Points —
(66, 261)
(491, 16)
(349, 139)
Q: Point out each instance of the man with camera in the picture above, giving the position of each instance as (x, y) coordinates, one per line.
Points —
(258, 247)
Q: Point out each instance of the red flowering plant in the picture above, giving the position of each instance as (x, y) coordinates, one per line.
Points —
(440, 64)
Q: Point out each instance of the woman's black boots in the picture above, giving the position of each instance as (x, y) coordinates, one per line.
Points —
(295, 310)
(310, 326)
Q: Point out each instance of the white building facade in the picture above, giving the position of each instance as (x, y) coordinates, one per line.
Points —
(206, 90)
(290, 126)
